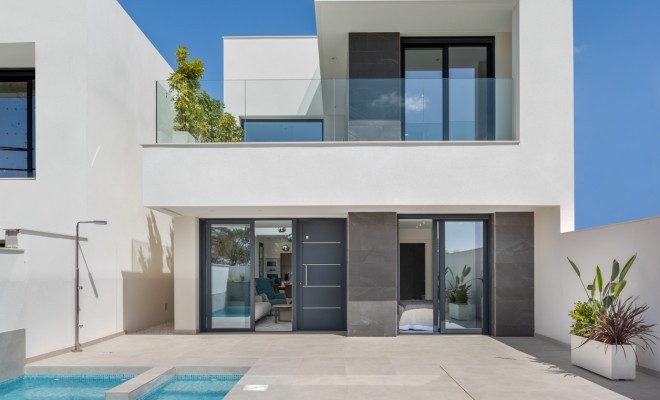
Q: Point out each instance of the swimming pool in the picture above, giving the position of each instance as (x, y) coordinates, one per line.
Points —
(60, 387)
(194, 387)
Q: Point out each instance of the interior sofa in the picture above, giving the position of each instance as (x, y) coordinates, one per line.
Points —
(261, 308)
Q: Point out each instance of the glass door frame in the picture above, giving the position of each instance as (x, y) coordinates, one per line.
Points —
(204, 267)
(440, 255)
(438, 222)
(444, 43)
(205, 317)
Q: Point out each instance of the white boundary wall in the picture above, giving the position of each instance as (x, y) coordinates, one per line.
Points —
(557, 286)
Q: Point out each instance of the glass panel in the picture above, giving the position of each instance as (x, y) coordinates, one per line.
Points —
(363, 109)
(464, 275)
(230, 276)
(468, 93)
(374, 112)
(274, 271)
(415, 275)
(13, 130)
(283, 131)
(423, 94)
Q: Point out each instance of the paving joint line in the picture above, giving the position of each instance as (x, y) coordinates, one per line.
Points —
(456, 382)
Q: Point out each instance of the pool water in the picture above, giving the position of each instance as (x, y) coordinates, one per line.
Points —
(232, 311)
(60, 387)
(194, 387)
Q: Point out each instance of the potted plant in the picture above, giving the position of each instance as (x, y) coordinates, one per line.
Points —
(606, 329)
(458, 293)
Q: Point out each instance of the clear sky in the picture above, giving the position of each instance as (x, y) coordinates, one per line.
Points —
(617, 84)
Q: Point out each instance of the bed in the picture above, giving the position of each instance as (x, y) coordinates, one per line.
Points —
(416, 315)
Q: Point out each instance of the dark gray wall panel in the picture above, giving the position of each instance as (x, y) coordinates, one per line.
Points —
(372, 274)
(374, 69)
(513, 274)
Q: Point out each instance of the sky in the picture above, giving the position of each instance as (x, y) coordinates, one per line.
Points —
(617, 84)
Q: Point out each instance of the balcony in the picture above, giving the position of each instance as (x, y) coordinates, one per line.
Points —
(356, 110)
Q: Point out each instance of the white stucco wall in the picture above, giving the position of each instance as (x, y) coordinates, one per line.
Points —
(543, 76)
(558, 288)
(350, 175)
(186, 274)
(13, 276)
(95, 74)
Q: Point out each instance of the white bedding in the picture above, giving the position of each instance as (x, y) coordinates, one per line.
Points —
(417, 318)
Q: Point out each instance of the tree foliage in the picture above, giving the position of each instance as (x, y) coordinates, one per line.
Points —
(196, 111)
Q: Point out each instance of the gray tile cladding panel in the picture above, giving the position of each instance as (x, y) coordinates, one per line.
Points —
(513, 270)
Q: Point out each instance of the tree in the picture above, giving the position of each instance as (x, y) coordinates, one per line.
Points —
(196, 111)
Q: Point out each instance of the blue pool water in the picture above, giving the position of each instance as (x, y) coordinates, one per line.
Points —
(194, 387)
(60, 387)
(232, 311)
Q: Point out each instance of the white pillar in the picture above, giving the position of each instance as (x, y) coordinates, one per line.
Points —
(186, 275)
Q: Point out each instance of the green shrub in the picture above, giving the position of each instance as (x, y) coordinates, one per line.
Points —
(584, 319)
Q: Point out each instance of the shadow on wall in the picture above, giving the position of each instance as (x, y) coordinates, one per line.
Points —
(149, 287)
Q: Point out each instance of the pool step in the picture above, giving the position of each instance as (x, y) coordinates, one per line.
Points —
(141, 384)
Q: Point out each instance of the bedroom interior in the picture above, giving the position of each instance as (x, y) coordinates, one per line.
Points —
(460, 265)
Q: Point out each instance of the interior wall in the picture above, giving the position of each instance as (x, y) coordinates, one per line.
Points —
(422, 236)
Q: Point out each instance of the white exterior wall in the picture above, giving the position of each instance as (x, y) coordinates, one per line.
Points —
(558, 288)
(13, 289)
(543, 75)
(95, 74)
(348, 174)
(272, 76)
(186, 275)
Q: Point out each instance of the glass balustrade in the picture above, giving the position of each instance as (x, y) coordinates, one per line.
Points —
(455, 109)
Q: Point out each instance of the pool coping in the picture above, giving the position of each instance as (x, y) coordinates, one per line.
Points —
(154, 377)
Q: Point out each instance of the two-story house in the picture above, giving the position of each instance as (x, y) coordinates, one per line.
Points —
(396, 173)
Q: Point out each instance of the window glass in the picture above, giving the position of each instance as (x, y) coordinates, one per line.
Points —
(283, 131)
(16, 126)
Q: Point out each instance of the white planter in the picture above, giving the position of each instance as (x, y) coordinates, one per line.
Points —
(613, 362)
(462, 312)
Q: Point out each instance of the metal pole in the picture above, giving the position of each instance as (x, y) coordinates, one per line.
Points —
(77, 347)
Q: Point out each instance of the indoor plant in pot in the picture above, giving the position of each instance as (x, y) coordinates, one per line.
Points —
(457, 294)
(606, 329)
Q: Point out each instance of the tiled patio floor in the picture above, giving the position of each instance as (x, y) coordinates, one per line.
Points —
(325, 366)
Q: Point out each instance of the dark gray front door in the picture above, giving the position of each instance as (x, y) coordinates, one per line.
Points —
(322, 275)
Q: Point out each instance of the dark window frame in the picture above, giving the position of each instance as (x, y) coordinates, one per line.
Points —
(438, 223)
(284, 120)
(445, 42)
(27, 76)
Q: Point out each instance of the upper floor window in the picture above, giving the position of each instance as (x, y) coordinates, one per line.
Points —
(284, 130)
(17, 95)
(448, 88)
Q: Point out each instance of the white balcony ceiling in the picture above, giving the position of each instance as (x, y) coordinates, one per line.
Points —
(336, 18)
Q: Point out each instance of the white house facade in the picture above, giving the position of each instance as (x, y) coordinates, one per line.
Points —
(69, 152)
(408, 142)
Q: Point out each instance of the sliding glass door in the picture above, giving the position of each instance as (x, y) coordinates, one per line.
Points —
(448, 88)
(228, 276)
(463, 276)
